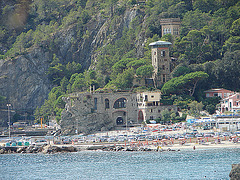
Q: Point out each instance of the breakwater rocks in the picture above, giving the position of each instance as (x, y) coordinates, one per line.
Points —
(46, 149)
(124, 148)
(51, 149)
(235, 172)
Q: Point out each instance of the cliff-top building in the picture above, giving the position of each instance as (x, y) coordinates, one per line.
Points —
(161, 62)
(170, 26)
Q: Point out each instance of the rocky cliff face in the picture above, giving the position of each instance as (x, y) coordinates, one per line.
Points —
(78, 118)
(23, 80)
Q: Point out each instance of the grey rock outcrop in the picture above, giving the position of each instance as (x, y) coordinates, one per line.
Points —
(235, 172)
(24, 81)
(81, 118)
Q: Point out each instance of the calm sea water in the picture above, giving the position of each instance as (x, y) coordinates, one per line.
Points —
(187, 164)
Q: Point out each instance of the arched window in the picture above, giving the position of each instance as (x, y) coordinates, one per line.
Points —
(120, 103)
(106, 104)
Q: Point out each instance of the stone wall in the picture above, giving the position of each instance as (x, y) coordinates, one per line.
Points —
(88, 112)
(154, 112)
(91, 112)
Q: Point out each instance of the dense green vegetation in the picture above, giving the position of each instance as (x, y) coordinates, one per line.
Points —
(2, 99)
(207, 50)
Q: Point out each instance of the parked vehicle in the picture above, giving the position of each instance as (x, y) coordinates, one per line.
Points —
(40, 142)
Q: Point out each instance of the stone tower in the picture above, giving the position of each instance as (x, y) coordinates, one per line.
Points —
(170, 26)
(160, 62)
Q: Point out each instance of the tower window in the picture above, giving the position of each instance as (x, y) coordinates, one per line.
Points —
(163, 53)
(146, 98)
(164, 77)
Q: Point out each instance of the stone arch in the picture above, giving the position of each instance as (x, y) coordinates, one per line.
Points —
(120, 103)
(119, 117)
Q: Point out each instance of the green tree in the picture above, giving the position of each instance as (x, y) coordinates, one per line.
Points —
(226, 71)
(137, 63)
(2, 99)
(235, 29)
(73, 68)
(63, 84)
(210, 108)
(79, 83)
(120, 66)
(194, 20)
(195, 108)
(180, 70)
(145, 71)
(56, 73)
(166, 115)
(186, 83)
(210, 104)
(125, 79)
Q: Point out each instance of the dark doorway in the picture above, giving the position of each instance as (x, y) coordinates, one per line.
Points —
(140, 117)
(119, 121)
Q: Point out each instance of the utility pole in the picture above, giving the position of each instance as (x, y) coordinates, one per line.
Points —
(9, 126)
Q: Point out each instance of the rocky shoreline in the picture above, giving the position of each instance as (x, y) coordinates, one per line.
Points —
(47, 149)
(235, 172)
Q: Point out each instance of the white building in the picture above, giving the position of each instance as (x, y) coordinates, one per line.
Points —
(228, 122)
(231, 103)
(150, 107)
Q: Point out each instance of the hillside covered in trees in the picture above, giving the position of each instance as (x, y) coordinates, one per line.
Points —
(51, 48)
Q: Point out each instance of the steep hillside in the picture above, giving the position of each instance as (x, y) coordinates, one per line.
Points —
(23, 68)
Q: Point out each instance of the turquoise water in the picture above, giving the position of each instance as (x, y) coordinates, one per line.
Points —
(188, 164)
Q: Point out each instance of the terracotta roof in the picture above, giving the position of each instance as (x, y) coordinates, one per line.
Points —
(213, 90)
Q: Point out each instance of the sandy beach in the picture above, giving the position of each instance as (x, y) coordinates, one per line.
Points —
(202, 143)
(161, 145)
(202, 146)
